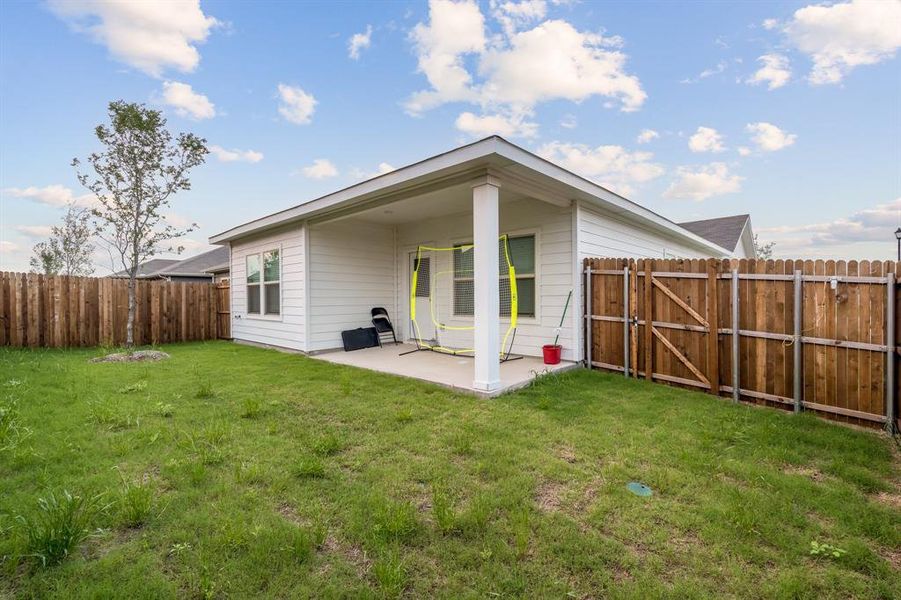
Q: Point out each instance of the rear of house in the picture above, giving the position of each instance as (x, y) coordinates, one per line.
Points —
(302, 276)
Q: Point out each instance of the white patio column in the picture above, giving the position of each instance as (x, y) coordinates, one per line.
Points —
(485, 274)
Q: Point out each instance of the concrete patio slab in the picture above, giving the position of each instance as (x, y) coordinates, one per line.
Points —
(455, 372)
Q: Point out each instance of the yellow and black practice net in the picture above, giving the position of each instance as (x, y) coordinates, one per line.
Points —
(442, 298)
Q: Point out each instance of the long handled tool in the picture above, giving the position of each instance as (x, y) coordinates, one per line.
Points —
(563, 317)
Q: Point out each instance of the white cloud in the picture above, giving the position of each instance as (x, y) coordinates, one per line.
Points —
(744, 151)
(770, 138)
(769, 24)
(320, 169)
(381, 170)
(7, 246)
(706, 181)
(775, 71)
(613, 166)
(517, 69)
(296, 106)
(187, 102)
(176, 219)
(359, 42)
(646, 136)
(719, 68)
(150, 36)
(569, 122)
(503, 125)
(235, 155)
(515, 15)
(52, 195)
(706, 139)
(35, 231)
(840, 37)
(876, 224)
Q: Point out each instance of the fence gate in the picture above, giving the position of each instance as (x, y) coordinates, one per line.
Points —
(799, 334)
(223, 314)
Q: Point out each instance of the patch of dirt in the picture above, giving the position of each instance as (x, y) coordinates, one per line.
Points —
(289, 513)
(548, 496)
(811, 473)
(567, 454)
(893, 556)
(137, 356)
(352, 553)
(892, 499)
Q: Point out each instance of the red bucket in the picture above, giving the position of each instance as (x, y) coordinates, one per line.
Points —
(552, 354)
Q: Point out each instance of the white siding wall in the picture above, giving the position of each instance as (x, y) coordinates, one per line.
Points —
(351, 270)
(601, 235)
(286, 330)
(552, 226)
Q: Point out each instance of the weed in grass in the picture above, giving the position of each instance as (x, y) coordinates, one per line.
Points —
(443, 510)
(135, 502)
(404, 415)
(138, 386)
(308, 467)
(12, 431)
(383, 520)
(461, 443)
(206, 444)
(205, 391)
(519, 522)
(474, 520)
(164, 410)
(327, 444)
(62, 522)
(390, 574)
(826, 550)
(110, 414)
(250, 473)
(251, 407)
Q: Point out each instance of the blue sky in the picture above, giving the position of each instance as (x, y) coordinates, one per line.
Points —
(788, 110)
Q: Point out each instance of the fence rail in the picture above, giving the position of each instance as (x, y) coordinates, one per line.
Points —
(60, 311)
(802, 335)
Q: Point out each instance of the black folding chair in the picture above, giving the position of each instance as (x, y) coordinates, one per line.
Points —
(382, 323)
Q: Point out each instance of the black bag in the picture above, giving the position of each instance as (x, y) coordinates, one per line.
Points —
(357, 339)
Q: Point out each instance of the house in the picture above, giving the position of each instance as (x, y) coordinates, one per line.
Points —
(195, 268)
(302, 275)
(733, 233)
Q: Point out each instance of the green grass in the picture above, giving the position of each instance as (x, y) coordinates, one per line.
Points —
(229, 471)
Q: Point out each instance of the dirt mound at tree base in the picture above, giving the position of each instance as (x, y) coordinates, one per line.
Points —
(137, 356)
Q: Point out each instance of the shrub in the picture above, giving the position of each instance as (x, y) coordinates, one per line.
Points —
(59, 525)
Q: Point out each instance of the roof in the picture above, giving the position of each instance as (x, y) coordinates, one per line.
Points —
(151, 268)
(487, 156)
(722, 231)
(197, 266)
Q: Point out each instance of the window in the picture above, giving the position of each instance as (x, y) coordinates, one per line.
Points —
(522, 255)
(263, 283)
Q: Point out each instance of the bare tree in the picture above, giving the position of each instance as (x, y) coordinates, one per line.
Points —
(764, 251)
(140, 168)
(69, 249)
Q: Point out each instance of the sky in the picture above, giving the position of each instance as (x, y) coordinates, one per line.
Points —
(789, 111)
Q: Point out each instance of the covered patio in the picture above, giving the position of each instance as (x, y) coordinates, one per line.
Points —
(454, 372)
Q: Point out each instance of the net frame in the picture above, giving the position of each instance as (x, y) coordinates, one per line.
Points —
(507, 283)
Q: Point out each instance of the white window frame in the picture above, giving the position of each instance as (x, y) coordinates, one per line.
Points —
(535, 318)
(262, 315)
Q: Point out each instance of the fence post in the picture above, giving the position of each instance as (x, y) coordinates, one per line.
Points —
(890, 353)
(713, 346)
(648, 321)
(589, 349)
(736, 367)
(797, 348)
(626, 348)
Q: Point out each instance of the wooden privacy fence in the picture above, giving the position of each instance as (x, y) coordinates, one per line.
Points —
(803, 335)
(61, 311)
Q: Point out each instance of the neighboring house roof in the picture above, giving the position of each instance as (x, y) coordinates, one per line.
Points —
(197, 266)
(223, 268)
(151, 268)
(540, 177)
(722, 231)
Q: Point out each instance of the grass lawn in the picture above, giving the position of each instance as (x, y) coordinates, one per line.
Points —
(229, 471)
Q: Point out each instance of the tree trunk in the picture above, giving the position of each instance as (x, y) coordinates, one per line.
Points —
(132, 305)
